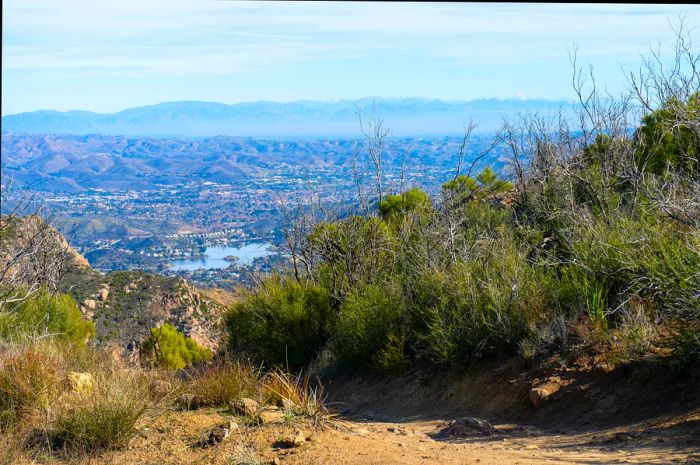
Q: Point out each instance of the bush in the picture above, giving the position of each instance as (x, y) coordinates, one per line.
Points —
(397, 205)
(686, 356)
(282, 323)
(480, 307)
(43, 314)
(366, 319)
(168, 348)
(643, 256)
(664, 144)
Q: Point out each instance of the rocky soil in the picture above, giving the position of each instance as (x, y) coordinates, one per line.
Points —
(176, 438)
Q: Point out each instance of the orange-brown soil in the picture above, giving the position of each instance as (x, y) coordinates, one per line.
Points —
(638, 414)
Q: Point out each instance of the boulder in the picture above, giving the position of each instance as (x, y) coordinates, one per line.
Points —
(188, 401)
(89, 303)
(81, 382)
(245, 406)
(271, 416)
(102, 294)
(539, 394)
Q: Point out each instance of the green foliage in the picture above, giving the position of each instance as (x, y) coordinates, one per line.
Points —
(168, 348)
(663, 143)
(595, 303)
(479, 307)
(400, 204)
(466, 187)
(342, 252)
(43, 313)
(686, 356)
(365, 322)
(392, 357)
(281, 323)
(475, 277)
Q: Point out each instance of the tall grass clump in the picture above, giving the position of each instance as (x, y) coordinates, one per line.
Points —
(40, 406)
(223, 382)
(31, 380)
(105, 419)
(299, 395)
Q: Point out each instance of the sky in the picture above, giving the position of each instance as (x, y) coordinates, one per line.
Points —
(107, 56)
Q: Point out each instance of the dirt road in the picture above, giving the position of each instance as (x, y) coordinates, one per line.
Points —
(171, 439)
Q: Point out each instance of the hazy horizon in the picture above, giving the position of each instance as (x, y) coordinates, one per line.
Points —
(379, 100)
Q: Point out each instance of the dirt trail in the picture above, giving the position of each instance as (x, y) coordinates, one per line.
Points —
(171, 439)
(639, 415)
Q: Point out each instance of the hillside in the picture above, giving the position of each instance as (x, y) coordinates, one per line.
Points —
(123, 305)
(71, 163)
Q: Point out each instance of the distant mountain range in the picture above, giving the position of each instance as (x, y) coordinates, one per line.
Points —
(405, 117)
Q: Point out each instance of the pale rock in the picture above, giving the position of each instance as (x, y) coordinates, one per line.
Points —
(81, 383)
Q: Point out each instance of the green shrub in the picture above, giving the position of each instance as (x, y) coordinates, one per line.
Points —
(168, 348)
(44, 314)
(281, 323)
(645, 256)
(366, 319)
(663, 144)
(480, 307)
(351, 253)
(399, 204)
(467, 188)
(686, 356)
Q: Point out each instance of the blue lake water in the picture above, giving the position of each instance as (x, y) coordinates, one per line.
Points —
(215, 257)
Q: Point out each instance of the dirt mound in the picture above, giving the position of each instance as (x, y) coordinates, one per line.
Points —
(569, 398)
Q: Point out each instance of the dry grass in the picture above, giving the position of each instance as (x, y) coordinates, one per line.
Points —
(40, 412)
(222, 383)
(298, 396)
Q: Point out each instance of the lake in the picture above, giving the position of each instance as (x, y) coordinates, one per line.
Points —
(216, 257)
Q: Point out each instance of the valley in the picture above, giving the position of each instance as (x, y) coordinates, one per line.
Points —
(143, 203)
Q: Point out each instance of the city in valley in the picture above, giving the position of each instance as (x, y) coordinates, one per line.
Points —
(165, 205)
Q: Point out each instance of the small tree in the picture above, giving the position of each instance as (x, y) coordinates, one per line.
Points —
(168, 348)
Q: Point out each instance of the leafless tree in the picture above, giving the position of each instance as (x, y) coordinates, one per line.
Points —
(32, 253)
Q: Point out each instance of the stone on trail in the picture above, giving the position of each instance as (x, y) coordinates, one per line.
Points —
(468, 426)
(245, 406)
(218, 434)
(295, 439)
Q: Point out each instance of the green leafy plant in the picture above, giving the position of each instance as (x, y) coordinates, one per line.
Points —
(170, 349)
(282, 323)
(44, 314)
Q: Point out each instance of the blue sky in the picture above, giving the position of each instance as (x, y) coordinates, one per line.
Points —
(107, 56)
